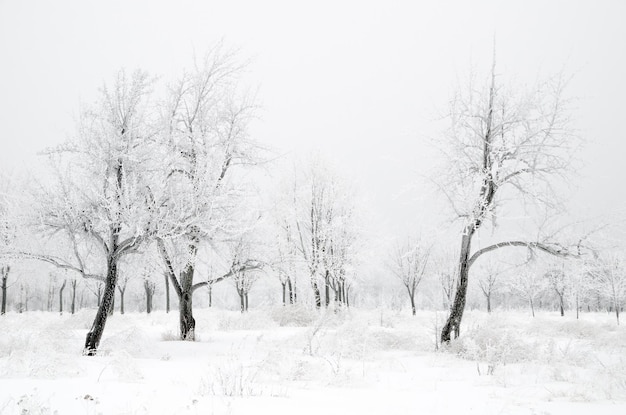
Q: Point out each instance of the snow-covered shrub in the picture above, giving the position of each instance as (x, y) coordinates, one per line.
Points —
(493, 346)
(259, 319)
(295, 315)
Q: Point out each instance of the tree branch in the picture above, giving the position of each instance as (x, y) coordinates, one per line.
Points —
(552, 250)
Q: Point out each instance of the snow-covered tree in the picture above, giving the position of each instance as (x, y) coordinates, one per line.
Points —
(408, 261)
(608, 273)
(204, 139)
(503, 144)
(96, 203)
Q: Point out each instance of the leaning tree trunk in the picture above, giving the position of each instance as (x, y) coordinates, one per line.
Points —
(167, 293)
(453, 324)
(95, 334)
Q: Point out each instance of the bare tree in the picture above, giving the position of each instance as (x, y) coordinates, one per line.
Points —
(408, 263)
(559, 283)
(205, 137)
(502, 144)
(609, 278)
(97, 204)
(530, 284)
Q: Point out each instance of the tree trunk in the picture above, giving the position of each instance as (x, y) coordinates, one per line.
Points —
(532, 306)
(61, 297)
(242, 305)
(187, 322)
(561, 305)
(284, 284)
(95, 334)
(167, 293)
(112, 309)
(412, 297)
(3, 310)
(453, 324)
(577, 306)
(291, 293)
(149, 292)
(489, 302)
(210, 295)
(327, 287)
(316, 293)
(122, 291)
(246, 300)
(73, 304)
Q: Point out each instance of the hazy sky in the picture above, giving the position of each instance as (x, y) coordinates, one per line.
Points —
(360, 81)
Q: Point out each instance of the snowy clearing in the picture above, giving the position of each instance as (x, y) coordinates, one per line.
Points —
(275, 360)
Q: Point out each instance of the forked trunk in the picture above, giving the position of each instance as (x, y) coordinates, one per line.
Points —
(95, 334)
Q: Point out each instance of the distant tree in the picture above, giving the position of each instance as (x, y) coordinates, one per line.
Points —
(609, 279)
(488, 282)
(559, 283)
(502, 145)
(530, 284)
(408, 262)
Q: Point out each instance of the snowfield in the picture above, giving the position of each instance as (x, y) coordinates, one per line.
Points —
(286, 360)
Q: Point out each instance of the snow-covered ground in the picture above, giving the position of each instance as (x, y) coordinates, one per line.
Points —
(285, 361)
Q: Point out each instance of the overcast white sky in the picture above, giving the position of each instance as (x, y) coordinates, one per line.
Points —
(360, 81)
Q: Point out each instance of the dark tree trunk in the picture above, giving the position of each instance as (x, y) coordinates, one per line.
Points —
(489, 302)
(242, 304)
(122, 291)
(112, 309)
(284, 285)
(291, 293)
(149, 289)
(106, 304)
(3, 310)
(327, 287)
(347, 296)
(532, 306)
(210, 295)
(61, 297)
(412, 296)
(316, 293)
(453, 324)
(187, 322)
(73, 304)
(167, 293)
(245, 297)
